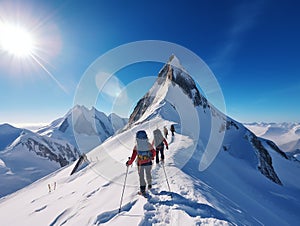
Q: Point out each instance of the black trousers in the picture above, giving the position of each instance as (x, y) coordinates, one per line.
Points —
(160, 149)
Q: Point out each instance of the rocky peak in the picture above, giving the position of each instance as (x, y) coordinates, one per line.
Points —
(174, 71)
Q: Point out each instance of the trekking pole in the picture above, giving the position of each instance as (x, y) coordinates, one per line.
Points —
(166, 177)
(124, 187)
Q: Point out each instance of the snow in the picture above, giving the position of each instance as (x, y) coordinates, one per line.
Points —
(92, 195)
(87, 198)
(8, 134)
(117, 122)
(174, 61)
(229, 191)
(84, 128)
(285, 135)
(297, 156)
(27, 156)
(2, 164)
(21, 167)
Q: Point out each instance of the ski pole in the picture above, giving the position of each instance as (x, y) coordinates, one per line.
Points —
(166, 177)
(124, 187)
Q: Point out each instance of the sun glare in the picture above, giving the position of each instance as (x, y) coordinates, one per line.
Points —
(22, 51)
(16, 40)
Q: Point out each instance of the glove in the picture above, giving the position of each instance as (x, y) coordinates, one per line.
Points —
(167, 147)
(127, 163)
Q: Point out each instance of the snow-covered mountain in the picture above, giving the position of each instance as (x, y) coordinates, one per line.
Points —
(8, 134)
(248, 182)
(173, 77)
(26, 156)
(285, 135)
(84, 128)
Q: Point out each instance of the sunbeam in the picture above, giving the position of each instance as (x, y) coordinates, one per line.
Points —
(49, 73)
(21, 44)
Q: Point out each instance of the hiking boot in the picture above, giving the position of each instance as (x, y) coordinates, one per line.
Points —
(143, 190)
(143, 193)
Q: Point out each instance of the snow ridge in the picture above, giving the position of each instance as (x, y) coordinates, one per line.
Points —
(238, 188)
(165, 92)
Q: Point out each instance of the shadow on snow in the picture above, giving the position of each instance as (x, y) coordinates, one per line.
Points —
(179, 202)
(107, 216)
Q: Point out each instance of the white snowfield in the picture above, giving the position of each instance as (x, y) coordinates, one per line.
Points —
(231, 191)
(285, 135)
(92, 195)
(27, 156)
(227, 193)
(30, 157)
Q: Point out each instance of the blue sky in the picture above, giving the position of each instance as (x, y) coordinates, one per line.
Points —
(252, 47)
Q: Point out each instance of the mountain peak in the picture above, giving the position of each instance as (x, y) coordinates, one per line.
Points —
(172, 71)
(174, 61)
(175, 72)
(78, 108)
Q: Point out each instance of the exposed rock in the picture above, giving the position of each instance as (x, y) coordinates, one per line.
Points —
(62, 154)
(265, 160)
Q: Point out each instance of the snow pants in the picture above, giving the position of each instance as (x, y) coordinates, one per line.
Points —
(142, 171)
(160, 149)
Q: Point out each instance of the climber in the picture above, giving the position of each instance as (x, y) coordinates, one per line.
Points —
(172, 129)
(165, 132)
(145, 154)
(159, 141)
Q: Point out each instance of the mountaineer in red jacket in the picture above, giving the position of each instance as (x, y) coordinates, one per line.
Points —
(145, 153)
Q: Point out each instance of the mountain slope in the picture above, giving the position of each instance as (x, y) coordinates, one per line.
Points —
(173, 79)
(285, 135)
(30, 157)
(26, 156)
(8, 134)
(83, 128)
(232, 190)
(92, 196)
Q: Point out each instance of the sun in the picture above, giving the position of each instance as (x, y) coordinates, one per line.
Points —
(16, 40)
(23, 51)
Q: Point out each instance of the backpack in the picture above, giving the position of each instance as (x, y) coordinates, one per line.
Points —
(158, 138)
(172, 128)
(141, 135)
(143, 146)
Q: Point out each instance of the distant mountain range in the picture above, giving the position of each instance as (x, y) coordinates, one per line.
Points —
(216, 171)
(285, 135)
(26, 156)
(84, 128)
